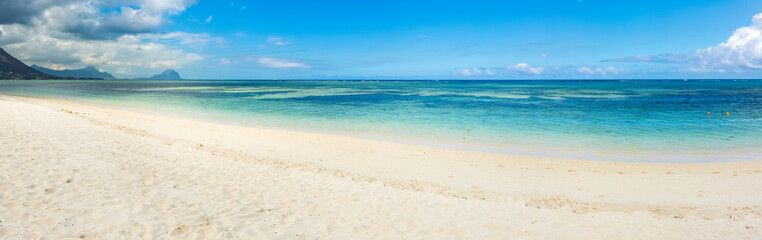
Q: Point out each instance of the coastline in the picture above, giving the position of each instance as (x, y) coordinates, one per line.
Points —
(689, 199)
(427, 115)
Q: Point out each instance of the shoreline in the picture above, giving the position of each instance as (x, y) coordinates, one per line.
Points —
(665, 192)
(153, 123)
(684, 156)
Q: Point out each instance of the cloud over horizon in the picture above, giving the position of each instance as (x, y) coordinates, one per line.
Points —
(742, 51)
(526, 69)
(467, 72)
(280, 63)
(119, 36)
(598, 70)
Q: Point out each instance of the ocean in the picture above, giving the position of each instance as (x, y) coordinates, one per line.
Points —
(634, 121)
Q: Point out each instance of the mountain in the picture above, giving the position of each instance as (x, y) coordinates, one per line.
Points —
(168, 74)
(12, 68)
(88, 72)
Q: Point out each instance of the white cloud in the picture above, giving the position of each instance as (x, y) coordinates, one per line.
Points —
(743, 50)
(109, 19)
(209, 19)
(280, 63)
(516, 70)
(277, 41)
(129, 51)
(23, 11)
(224, 61)
(598, 70)
(467, 72)
(526, 69)
(114, 35)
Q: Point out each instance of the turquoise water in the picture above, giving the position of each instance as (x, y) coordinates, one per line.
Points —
(643, 121)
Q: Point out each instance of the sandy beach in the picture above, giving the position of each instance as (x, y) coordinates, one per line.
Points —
(71, 170)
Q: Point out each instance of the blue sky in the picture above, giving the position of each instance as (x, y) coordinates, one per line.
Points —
(239, 39)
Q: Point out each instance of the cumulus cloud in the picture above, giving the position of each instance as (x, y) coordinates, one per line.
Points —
(280, 63)
(22, 11)
(126, 52)
(742, 51)
(526, 69)
(91, 18)
(598, 70)
(116, 35)
(111, 19)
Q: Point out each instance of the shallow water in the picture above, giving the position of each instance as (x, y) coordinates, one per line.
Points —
(652, 121)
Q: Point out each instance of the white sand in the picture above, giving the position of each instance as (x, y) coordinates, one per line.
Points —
(76, 171)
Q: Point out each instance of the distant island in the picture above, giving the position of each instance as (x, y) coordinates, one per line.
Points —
(87, 72)
(13, 69)
(169, 74)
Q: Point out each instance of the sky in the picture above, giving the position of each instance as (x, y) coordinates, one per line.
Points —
(288, 39)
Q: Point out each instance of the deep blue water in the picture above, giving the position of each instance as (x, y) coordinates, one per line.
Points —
(654, 121)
